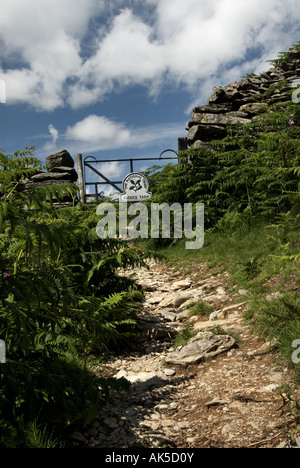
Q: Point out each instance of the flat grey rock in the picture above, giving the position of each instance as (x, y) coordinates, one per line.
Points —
(203, 346)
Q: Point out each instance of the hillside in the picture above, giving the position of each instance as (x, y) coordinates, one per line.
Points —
(84, 322)
(218, 362)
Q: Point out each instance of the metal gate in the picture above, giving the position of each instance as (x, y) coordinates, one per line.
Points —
(91, 162)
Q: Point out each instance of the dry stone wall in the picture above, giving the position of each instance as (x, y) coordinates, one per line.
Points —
(243, 101)
(60, 170)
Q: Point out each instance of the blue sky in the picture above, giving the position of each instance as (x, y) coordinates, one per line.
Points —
(119, 78)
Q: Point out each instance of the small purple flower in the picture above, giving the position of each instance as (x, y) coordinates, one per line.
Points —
(246, 155)
(6, 275)
(267, 164)
(291, 122)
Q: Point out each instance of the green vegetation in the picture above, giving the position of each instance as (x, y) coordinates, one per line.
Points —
(283, 56)
(250, 189)
(217, 330)
(184, 336)
(62, 302)
(199, 308)
(252, 175)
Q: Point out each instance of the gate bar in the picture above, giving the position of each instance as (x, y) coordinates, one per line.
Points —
(107, 181)
(128, 160)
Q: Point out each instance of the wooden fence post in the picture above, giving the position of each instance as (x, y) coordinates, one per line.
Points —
(80, 178)
(182, 146)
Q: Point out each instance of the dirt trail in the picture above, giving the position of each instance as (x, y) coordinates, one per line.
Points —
(228, 400)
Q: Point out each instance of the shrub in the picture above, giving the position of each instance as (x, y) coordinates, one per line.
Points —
(61, 299)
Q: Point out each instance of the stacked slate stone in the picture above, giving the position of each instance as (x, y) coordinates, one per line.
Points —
(242, 102)
(60, 171)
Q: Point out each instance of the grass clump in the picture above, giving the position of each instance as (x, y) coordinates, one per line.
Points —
(184, 336)
(278, 320)
(199, 308)
(217, 330)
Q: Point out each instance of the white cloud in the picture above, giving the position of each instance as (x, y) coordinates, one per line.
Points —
(51, 145)
(53, 132)
(2, 92)
(147, 135)
(112, 169)
(41, 45)
(100, 132)
(188, 42)
(57, 54)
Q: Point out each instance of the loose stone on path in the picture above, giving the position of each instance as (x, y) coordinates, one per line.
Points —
(203, 346)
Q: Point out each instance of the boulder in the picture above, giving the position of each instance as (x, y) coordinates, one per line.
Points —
(175, 300)
(155, 300)
(227, 310)
(183, 316)
(61, 158)
(179, 299)
(168, 315)
(46, 176)
(205, 325)
(206, 133)
(214, 108)
(200, 144)
(203, 346)
(45, 183)
(73, 176)
(216, 300)
(254, 108)
(60, 171)
(221, 119)
(182, 284)
(218, 96)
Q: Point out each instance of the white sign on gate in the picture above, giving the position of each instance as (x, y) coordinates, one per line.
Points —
(135, 188)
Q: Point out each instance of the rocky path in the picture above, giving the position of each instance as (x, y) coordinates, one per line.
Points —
(215, 391)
